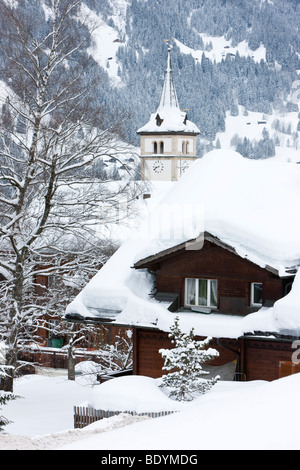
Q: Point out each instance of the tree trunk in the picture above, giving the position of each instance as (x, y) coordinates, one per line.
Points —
(71, 364)
(7, 380)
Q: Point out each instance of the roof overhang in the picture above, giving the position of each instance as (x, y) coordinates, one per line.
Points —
(206, 236)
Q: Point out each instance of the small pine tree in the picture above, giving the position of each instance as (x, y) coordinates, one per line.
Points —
(185, 363)
(4, 396)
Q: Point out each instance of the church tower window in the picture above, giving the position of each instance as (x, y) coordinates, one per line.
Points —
(161, 147)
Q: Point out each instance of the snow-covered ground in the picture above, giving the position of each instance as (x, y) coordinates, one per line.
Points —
(232, 415)
(106, 39)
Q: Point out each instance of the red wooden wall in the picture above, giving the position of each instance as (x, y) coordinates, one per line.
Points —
(257, 358)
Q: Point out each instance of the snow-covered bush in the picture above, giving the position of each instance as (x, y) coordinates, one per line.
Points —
(185, 363)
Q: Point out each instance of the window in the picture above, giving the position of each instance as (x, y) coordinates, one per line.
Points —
(256, 293)
(185, 147)
(155, 147)
(161, 147)
(201, 292)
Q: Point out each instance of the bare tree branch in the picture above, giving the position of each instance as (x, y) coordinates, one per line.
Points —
(52, 212)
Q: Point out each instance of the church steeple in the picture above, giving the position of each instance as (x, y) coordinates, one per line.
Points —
(168, 140)
(169, 117)
(168, 97)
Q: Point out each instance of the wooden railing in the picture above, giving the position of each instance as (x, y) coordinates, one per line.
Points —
(83, 416)
(57, 358)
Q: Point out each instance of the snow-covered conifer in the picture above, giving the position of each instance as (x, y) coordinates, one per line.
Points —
(4, 396)
(184, 362)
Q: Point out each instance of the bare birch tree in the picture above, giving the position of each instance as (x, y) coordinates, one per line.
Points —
(51, 130)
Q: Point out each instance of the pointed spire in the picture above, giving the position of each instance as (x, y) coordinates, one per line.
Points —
(169, 117)
(168, 97)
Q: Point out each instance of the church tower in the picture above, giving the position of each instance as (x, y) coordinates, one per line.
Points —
(168, 140)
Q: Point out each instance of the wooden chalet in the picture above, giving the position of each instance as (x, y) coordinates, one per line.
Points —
(231, 289)
(217, 281)
(232, 283)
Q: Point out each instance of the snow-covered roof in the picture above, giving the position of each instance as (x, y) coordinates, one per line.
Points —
(169, 117)
(251, 205)
(171, 120)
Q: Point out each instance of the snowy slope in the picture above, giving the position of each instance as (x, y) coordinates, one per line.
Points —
(220, 47)
(106, 39)
(252, 127)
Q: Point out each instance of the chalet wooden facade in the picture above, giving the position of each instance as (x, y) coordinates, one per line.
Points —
(235, 276)
(259, 356)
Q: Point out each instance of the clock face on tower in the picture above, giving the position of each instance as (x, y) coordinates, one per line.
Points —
(158, 169)
(157, 166)
(182, 166)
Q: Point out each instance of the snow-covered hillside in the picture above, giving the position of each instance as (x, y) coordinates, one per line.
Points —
(107, 39)
(249, 61)
(118, 49)
(282, 129)
(217, 47)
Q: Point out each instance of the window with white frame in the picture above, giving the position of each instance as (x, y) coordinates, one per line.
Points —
(201, 292)
(256, 293)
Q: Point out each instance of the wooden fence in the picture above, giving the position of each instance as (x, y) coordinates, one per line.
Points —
(84, 416)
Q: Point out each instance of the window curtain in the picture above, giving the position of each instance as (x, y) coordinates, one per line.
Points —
(257, 293)
(190, 291)
(202, 292)
(213, 293)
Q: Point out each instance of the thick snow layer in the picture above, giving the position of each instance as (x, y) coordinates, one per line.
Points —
(286, 311)
(252, 205)
(228, 404)
(133, 393)
(173, 121)
(43, 418)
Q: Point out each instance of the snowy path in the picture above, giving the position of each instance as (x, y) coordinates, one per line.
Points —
(59, 439)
